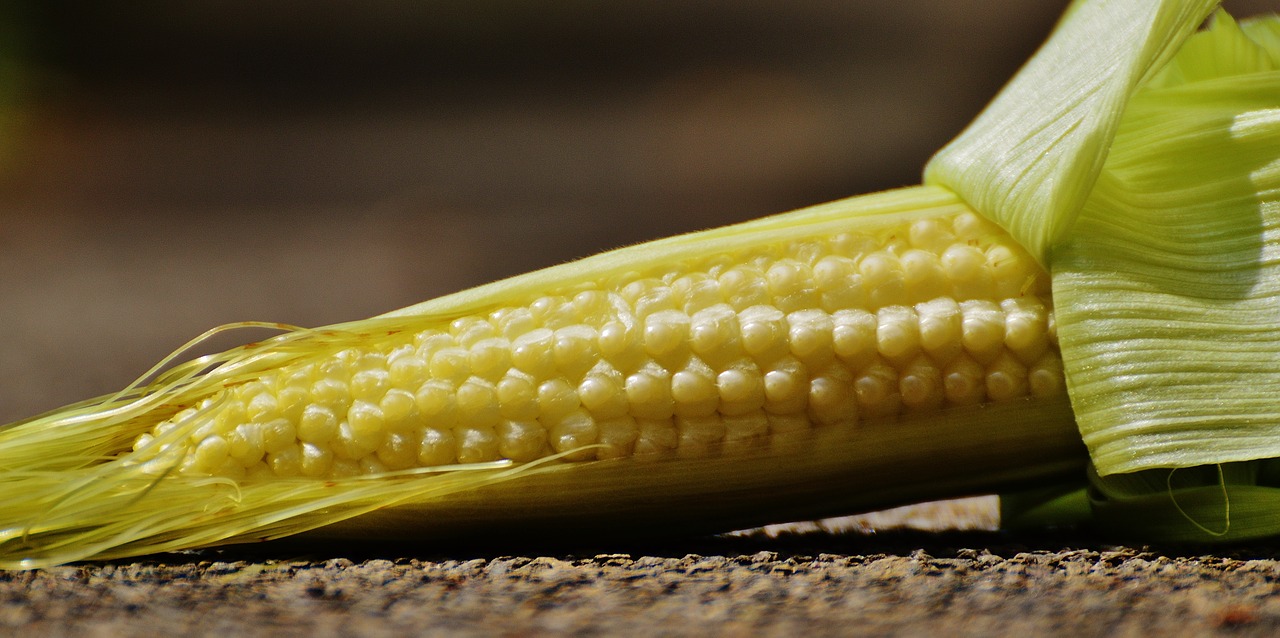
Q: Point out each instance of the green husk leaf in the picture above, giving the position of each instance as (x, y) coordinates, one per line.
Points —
(1030, 159)
(1168, 287)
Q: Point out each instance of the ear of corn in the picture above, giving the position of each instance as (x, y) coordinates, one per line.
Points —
(872, 351)
(803, 345)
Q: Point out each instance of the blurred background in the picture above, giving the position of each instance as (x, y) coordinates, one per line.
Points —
(166, 167)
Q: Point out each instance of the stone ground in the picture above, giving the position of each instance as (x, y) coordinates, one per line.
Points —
(931, 569)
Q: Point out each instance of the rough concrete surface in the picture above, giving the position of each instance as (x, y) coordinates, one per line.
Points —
(837, 578)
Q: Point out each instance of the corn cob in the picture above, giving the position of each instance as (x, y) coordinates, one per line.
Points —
(723, 365)
(727, 349)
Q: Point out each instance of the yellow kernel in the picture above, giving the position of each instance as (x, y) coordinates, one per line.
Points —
(921, 385)
(286, 462)
(832, 398)
(478, 403)
(231, 414)
(898, 334)
(368, 425)
(316, 460)
(351, 446)
(632, 291)
(369, 385)
(477, 444)
(452, 364)
(370, 466)
(142, 442)
(741, 389)
(876, 387)
(343, 468)
(941, 328)
(518, 397)
(791, 285)
(428, 342)
(839, 283)
(588, 305)
(533, 353)
(618, 436)
(764, 332)
(697, 290)
(656, 435)
(513, 322)
(575, 349)
(438, 447)
(983, 329)
(963, 262)
(1044, 377)
(699, 433)
(556, 398)
(743, 287)
(786, 386)
(649, 393)
(694, 389)
(882, 274)
(666, 335)
(806, 251)
(544, 310)
(746, 427)
(657, 299)
(211, 453)
(572, 432)
(397, 405)
(970, 226)
(292, 400)
(490, 358)
(335, 369)
(714, 334)
(370, 360)
(810, 337)
(603, 395)
(437, 403)
(330, 392)
(521, 440)
(300, 377)
(853, 244)
(932, 235)
(620, 345)
(245, 443)
(1006, 378)
(964, 381)
(923, 276)
(407, 371)
(1026, 328)
(399, 450)
(317, 425)
(853, 337)
(467, 331)
(248, 390)
(262, 408)
(1016, 272)
(278, 434)
(786, 277)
